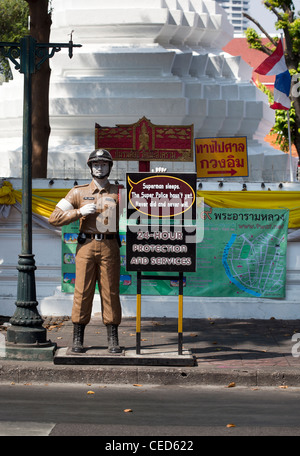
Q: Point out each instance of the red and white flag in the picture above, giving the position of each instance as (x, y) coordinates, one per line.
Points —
(275, 65)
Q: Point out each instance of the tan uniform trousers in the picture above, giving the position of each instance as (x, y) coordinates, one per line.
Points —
(97, 261)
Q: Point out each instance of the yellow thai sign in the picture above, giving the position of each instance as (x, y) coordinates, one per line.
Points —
(221, 157)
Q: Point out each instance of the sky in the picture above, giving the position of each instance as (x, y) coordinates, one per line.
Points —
(265, 17)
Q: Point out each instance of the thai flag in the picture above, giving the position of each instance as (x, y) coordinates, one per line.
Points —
(275, 65)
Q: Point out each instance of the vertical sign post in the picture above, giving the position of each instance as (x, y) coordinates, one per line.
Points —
(138, 312)
(180, 313)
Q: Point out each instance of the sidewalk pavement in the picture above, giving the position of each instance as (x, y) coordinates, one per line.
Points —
(225, 352)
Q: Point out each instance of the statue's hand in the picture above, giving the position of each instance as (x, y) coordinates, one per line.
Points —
(88, 209)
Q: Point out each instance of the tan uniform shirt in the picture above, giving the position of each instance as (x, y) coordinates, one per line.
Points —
(104, 220)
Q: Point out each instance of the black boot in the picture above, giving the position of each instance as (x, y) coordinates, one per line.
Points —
(78, 335)
(112, 339)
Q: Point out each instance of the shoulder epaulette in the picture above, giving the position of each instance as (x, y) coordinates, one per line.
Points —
(79, 186)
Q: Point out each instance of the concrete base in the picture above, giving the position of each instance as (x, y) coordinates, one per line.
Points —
(148, 357)
(45, 353)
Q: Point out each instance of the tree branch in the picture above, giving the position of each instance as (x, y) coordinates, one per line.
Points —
(288, 41)
(273, 9)
(262, 30)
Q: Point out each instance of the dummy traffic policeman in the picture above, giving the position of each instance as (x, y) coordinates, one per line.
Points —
(97, 259)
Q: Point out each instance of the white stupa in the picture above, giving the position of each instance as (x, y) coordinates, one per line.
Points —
(161, 59)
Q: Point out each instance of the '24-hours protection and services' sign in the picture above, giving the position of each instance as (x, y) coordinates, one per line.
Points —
(161, 233)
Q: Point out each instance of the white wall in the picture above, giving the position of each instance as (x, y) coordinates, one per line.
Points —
(47, 251)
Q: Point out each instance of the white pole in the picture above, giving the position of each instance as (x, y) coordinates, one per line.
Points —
(290, 148)
(289, 134)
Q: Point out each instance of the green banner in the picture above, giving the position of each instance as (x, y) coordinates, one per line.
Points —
(68, 250)
(243, 254)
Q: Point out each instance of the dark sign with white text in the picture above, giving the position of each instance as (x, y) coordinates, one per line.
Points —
(161, 233)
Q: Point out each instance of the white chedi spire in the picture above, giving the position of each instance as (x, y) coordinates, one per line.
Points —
(160, 59)
(184, 22)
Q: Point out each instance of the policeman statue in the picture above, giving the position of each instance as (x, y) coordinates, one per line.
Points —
(96, 205)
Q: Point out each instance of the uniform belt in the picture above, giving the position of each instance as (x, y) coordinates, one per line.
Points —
(99, 236)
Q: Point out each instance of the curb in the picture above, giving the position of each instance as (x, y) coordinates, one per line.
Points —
(46, 372)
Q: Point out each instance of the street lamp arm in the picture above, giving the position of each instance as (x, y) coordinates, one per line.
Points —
(13, 51)
(43, 54)
(56, 47)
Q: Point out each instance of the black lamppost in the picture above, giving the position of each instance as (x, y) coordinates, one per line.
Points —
(26, 337)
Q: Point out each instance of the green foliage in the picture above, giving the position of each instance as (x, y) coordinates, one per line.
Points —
(282, 4)
(253, 39)
(13, 26)
(255, 42)
(287, 21)
(280, 128)
(294, 31)
(14, 19)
